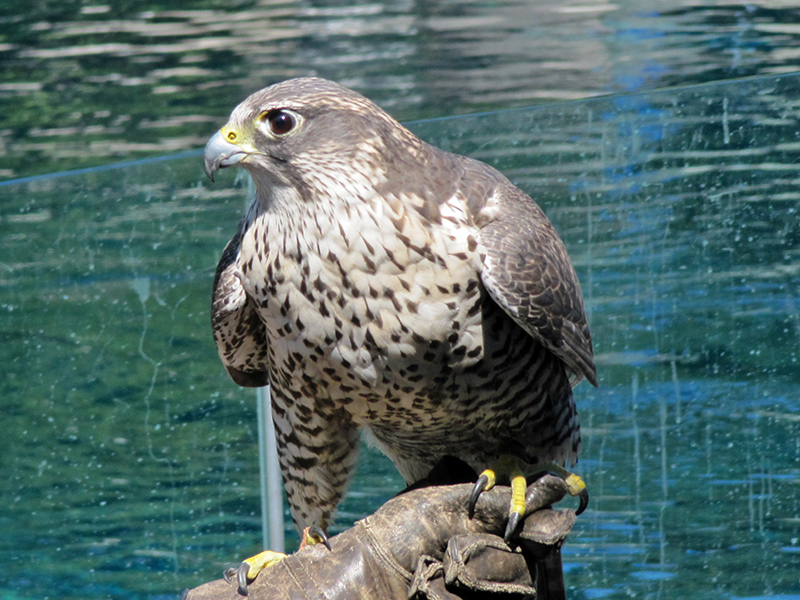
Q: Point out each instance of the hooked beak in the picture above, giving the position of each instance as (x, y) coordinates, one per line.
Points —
(220, 153)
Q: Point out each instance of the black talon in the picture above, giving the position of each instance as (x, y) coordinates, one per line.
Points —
(584, 501)
(514, 519)
(240, 575)
(242, 578)
(480, 486)
(317, 531)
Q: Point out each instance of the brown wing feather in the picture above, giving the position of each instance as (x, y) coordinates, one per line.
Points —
(527, 271)
(238, 332)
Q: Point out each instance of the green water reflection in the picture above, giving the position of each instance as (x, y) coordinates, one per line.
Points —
(85, 82)
(130, 461)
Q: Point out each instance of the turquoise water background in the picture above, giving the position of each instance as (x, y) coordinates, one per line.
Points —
(129, 459)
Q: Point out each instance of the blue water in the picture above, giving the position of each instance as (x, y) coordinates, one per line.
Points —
(88, 84)
(130, 459)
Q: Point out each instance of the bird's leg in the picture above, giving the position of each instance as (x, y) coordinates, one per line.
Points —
(516, 512)
(317, 456)
(507, 467)
(575, 485)
(314, 534)
(488, 478)
(251, 567)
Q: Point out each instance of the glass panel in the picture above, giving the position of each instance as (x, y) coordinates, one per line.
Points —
(130, 459)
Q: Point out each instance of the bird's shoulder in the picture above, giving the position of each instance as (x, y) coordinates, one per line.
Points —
(526, 268)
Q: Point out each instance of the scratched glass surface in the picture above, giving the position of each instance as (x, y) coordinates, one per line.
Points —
(83, 83)
(129, 461)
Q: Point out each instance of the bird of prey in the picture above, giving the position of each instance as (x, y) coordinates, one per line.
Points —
(380, 284)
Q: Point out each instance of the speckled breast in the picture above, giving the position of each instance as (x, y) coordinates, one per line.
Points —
(372, 310)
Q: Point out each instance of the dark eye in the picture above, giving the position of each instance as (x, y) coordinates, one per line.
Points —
(280, 122)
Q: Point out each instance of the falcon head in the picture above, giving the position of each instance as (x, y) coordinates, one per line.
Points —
(301, 134)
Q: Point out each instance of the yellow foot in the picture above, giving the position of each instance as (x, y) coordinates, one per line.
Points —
(314, 534)
(251, 567)
(486, 481)
(519, 485)
(575, 485)
(508, 466)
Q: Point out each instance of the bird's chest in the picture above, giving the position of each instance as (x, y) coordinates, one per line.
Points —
(365, 309)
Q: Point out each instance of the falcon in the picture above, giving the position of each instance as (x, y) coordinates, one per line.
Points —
(380, 284)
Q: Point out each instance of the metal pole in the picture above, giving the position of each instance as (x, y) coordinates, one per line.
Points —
(270, 475)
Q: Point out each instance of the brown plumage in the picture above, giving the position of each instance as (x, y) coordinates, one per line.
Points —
(381, 284)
